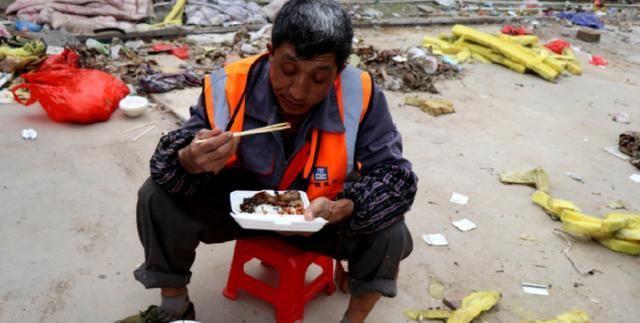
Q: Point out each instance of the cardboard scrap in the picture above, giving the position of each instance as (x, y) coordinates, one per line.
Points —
(536, 177)
(434, 107)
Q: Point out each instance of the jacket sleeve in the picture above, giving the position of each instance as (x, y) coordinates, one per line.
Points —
(387, 186)
(166, 169)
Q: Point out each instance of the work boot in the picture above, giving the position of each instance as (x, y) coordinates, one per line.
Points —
(155, 314)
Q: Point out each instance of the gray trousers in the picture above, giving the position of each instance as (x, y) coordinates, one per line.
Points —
(171, 227)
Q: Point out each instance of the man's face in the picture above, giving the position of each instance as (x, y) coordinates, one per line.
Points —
(300, 84)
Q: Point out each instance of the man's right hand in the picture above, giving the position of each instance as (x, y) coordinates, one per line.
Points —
(208, 151)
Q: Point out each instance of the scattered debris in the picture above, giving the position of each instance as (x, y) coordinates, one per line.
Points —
(514, 31)
(582, 19)
(79, 18)
(598, 60)
(431, 314)
(472, 306)
(618, 232)
(156, 82)
(573, 316)
(575, 177)
(614, 150)
(635, 178)
(181, 52)
(535, 289)
(519, 53)
(562, 234)
(629, 144)
(6, 97)
(29, 134)
(588, 35)
(536, 177)
(557, 46)
(553, 207)
(437, 239)
(434, 107)
(144, 133)
(458, 198)
(528, 237)
(417, 73)
(223, 12)
(464, 225)
(620, 117)
(436, 289)
(616, 204)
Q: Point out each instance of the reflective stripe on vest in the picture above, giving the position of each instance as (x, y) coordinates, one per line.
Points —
(221, 109)
(352, 97)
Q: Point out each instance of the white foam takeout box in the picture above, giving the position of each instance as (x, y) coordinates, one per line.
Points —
(275, 222)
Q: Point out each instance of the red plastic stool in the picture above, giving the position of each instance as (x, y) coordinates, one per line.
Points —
(291, 263)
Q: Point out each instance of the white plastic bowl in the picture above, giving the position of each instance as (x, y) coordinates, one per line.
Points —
(134, 106)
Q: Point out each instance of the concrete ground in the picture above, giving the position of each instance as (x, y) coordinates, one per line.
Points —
(68, 241)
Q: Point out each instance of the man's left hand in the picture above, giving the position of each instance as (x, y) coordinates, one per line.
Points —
(332, 211)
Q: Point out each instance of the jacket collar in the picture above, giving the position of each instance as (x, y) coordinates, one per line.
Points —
(262, 103)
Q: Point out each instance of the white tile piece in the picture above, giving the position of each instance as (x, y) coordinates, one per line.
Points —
(535, 289)
(436, 239)
(464, 225)
(635, 178)
(458, 198)
(614, 150)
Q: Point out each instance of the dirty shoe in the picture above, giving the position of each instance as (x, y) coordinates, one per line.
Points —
(155, 314)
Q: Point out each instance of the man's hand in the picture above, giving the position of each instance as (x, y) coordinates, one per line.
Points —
(208, 152)
(332, 211)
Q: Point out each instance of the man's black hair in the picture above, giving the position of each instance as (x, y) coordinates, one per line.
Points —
(314, 27)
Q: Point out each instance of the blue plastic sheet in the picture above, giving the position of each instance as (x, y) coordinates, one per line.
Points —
(582, 19)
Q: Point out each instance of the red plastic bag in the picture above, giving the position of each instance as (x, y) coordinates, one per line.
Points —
(179, 52)
(598, 60)
(514, 31)
(557, 46)
(71, 94)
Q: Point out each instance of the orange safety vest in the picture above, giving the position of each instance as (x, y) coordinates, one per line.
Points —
(330, 155)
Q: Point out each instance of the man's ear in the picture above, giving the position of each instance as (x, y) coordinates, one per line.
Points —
(270, 50)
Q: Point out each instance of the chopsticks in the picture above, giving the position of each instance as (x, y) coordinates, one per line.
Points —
(271, 128)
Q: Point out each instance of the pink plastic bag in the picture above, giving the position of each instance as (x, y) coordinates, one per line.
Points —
(71, 94)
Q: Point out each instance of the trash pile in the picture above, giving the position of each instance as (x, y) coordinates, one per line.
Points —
(518, 53)
(20, 55)
(617, 231)
(223, 12)
(79, 16)
(397, 70)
